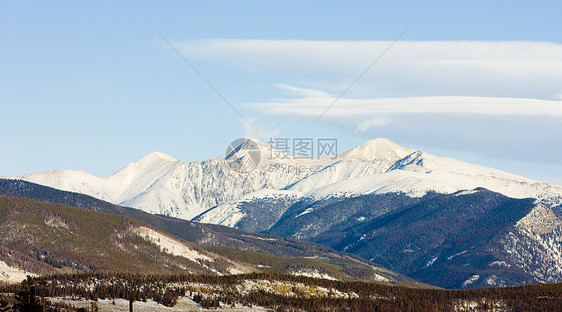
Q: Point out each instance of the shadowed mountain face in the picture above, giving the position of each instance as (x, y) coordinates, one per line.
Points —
(231, 250)
(467, 239)
(558, 210)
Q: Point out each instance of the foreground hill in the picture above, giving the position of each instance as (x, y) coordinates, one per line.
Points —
(206, 234)
(41, 234)
(43, 238)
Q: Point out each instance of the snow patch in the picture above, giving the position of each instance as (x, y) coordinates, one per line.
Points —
(541, 220)
(12, 275)
(170, 245)
(235, 271)
(499, 264)
(261, 238)
(492, 280)
(467, 192)
(471, 280)
(380, 278)
(307, 211)
(122, 305)
(430, 262)
(314, 274)
(456, 255)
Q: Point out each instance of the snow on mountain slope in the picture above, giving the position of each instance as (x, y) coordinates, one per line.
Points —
(170, 245)
(417, 181)
(160, 184)
(125, 183)
(378, 149)
(535, 245)
(10, 274)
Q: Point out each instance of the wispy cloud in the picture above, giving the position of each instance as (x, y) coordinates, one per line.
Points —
(514, 78)
(302, 91)
(366, 108)
(412, 68)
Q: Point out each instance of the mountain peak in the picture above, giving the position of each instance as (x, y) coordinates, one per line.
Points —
(152, 160)
(381, 148)
(251, 144)
(157, 156)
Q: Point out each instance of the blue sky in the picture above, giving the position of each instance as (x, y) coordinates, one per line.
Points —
(91, 86)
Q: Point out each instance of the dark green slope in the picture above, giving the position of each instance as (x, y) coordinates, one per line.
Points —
(440, 239)
(259, 251)
(207, 234)
(44, 237)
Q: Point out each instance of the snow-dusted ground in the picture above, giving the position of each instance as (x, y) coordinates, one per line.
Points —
(158, 183)
(470, 280)
(121, 305)
(170, 245)
(245, 287)
(291, 289)
(12, 275)
(315, 274)
(472, 305)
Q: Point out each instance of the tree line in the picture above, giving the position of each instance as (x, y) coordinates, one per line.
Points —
(167, 288)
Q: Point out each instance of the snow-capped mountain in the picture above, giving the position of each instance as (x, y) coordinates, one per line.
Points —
(442, 221)
(158, 183)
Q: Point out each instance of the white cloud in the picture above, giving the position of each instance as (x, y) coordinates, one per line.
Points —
(301, 91)
(367, 108)
(409, 69)
(373, 123)
(513, 78)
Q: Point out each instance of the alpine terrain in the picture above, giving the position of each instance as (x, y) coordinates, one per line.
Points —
(442, 221)
(159, 183)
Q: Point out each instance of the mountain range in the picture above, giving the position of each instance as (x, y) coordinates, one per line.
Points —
(441, 221)
(158, 183)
